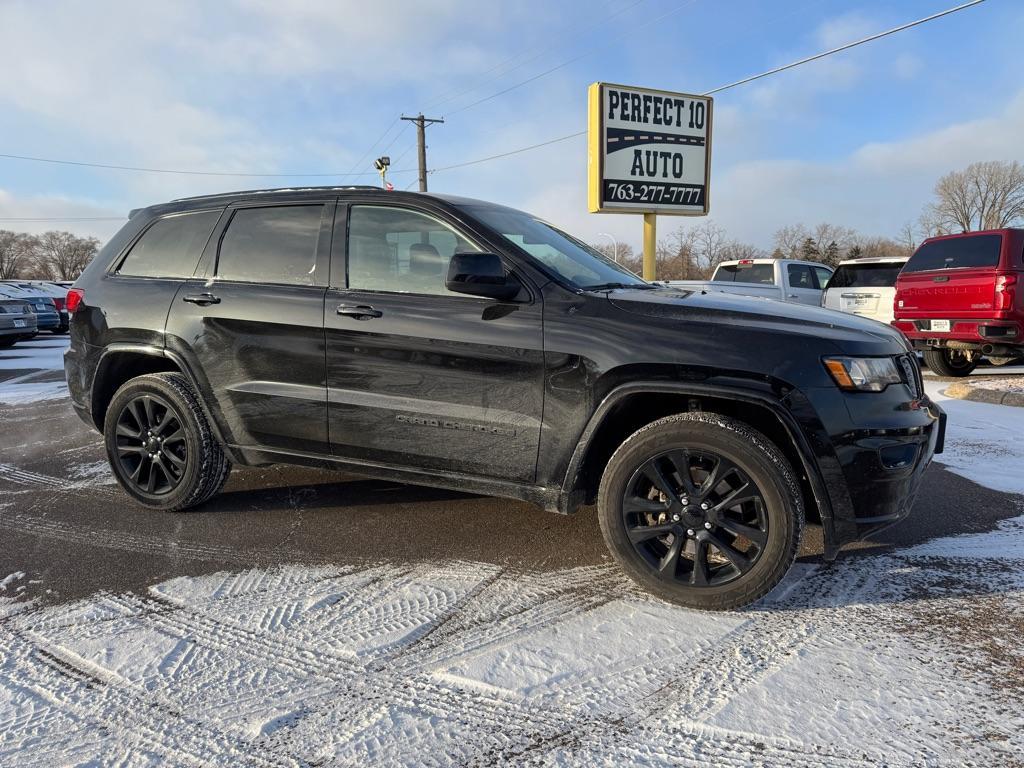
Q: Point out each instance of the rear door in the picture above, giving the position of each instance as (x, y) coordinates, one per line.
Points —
(251, 327)
(950, 278)
(419, 376)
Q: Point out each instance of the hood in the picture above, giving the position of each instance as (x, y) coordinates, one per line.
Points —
(852, 334)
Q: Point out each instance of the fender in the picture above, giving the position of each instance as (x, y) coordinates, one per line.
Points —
(740, 394)
(166, 354)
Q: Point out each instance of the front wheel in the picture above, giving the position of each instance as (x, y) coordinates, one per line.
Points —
(952, 363)
(701, 510)
(160, 445)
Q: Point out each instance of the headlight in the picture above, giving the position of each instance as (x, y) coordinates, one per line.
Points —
(863, 374)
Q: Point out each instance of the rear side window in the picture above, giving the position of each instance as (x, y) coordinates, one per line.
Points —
(171, 247)
(866, 275)
(956, 253)
(271, 245)
(823, 276)
(746, 273)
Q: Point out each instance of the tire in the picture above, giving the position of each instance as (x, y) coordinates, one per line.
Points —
(59, 331)
(8, 343)
(945, 362)
(773, 520)
(192, 467)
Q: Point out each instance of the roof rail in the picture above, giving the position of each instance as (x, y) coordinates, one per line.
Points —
(326, 188)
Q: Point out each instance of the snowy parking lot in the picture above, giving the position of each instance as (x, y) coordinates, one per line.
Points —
(244, 639)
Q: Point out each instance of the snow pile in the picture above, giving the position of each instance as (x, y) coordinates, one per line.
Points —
(877, 659)
(1001, 383)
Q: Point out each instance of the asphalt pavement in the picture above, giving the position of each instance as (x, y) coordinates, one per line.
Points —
(67, 525)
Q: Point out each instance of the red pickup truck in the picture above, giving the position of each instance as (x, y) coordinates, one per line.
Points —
(960, 297)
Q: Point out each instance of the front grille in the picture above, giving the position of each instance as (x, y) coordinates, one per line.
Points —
(911, 373)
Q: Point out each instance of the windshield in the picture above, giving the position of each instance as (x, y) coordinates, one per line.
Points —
(956, 253)
(575, 261)
(878, 275)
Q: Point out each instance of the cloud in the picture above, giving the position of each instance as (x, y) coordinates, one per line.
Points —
(47, 206)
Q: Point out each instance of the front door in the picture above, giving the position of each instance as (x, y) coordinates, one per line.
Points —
(418, 376)
(252, 330)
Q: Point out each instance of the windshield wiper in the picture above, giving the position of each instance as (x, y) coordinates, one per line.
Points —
(612, 286)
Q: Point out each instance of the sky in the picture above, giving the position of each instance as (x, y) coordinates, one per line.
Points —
(316, 86)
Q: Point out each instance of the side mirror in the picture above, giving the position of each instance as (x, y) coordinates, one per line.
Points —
(480, 274)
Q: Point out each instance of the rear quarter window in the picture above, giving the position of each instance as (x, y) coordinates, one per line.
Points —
(957, 253)
(171, 247)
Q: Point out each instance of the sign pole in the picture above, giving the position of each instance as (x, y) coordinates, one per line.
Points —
(650, 244)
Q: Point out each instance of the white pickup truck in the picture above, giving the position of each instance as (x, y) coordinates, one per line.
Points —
(782, 279)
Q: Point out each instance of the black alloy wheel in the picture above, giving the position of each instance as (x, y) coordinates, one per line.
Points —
(695, 517)
(151, 448)
(702, 510)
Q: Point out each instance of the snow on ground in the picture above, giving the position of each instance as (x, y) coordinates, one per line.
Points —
(859, 663)
(38, 357)
(1001, 383)
(983, 440)
(44, 352)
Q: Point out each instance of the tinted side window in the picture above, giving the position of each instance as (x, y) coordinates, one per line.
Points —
(271, 245)
(171, 247)
(956, 253)
(800, 276)
(393, 249)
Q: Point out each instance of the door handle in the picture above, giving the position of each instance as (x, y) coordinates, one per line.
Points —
(202, 299)
(361, 312)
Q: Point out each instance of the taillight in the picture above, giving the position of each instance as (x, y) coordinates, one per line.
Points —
(75, 298)
(1005, 291)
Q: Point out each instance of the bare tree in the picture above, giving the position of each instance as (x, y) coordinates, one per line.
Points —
(789, 240)
(985, 195)
(16, 253)
(62, 255)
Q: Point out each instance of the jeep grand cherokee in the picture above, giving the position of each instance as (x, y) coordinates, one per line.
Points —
(455, 343)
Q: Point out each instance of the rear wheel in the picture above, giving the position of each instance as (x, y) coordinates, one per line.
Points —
(8, 342)
(701, 510)
(950, 362)
(160, 445)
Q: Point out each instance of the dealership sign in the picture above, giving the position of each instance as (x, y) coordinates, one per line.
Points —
(649, 151)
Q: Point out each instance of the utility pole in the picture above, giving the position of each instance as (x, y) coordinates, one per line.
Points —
(421, 124)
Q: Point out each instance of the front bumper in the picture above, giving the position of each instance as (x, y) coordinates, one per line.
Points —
(872, 450)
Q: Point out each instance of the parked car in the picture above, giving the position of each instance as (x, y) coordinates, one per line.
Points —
(865, 287)
(17, 320)
(782, 279)
(43, 305)
(58, 293)
(455, 343)
(960, 298)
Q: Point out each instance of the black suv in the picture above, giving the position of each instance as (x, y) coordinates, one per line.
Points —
(455, 343)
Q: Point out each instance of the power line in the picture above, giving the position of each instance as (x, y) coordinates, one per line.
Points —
(366, 155)
(139, 169)
(62, 218)
(567, 62)
(776, 70)
(745, 80)
(845, 47)
(523, 63)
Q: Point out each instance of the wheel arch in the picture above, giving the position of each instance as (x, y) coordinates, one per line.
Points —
(122, 362)
(631, 406)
